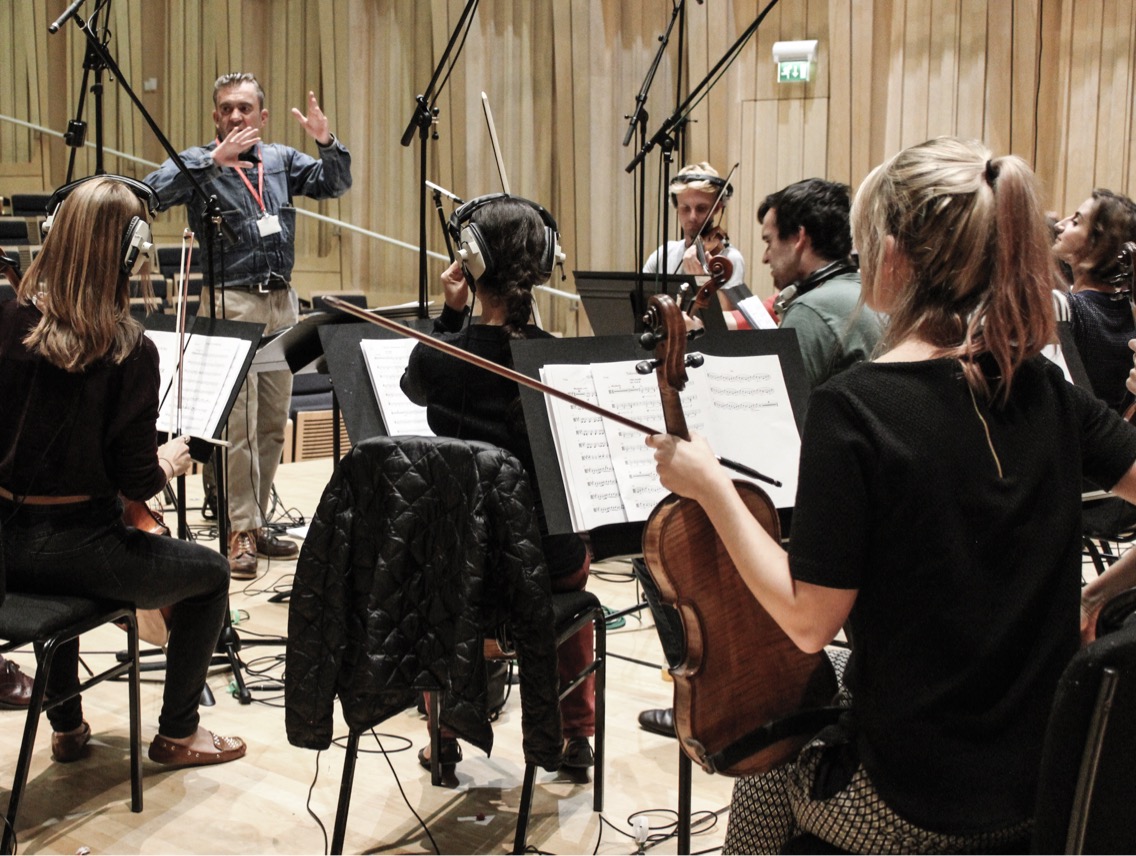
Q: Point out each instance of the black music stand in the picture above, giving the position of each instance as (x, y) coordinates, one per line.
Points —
(201, 450)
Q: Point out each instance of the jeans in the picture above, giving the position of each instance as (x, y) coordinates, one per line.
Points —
(85, 550)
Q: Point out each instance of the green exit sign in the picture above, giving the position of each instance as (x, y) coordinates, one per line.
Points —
(793, 72)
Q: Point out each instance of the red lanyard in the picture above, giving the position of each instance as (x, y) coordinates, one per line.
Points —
(258, 196)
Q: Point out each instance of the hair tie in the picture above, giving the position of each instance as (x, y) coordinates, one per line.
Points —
(991, 173)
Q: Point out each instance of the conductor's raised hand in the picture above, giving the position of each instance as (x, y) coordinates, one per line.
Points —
(228, 151)
(314, 122)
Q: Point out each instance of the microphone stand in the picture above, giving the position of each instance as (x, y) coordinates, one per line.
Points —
(637, 125)
(423, 119)
(672, 126)
(99, 57)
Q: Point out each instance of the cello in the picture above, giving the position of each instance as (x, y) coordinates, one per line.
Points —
(740, 670)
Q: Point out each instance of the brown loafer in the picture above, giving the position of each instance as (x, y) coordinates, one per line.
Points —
(68, 746)
(272, 546)
(242, 555)
(165, 751)
(15, 686)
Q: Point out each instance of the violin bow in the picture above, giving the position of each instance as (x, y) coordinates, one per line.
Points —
(519, 378)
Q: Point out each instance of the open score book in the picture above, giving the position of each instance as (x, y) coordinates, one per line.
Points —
(740, 404)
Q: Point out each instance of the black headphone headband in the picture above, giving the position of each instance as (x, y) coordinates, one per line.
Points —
(142, 190)
(715, 181)
(464, 213)
(137, 240)
(472, 248)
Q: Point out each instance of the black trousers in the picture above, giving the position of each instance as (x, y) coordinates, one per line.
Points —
(84, 549)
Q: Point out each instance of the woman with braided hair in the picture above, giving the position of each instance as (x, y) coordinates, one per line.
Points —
(507, 245)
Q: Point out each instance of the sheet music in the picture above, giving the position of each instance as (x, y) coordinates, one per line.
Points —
(754, 311)
(582, 449)
(212, 366)
(740, 404)
(386, 360)
(623, 390)
(748, 418)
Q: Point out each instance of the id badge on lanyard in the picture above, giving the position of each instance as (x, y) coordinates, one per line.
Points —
(266, 224)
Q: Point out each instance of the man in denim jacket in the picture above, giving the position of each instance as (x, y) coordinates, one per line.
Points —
(254, 183)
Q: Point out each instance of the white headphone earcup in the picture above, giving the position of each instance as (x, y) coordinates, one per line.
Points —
(469, 250)
(136, 245)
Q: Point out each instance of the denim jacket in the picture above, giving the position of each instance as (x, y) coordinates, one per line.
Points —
(287, 173)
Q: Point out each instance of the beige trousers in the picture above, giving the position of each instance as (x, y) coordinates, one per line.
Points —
(260, 414)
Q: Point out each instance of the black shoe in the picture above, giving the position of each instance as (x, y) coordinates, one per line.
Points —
(658, 721)
(451, 754)
(578, 753)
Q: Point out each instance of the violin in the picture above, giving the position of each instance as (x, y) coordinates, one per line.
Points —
(740, 670)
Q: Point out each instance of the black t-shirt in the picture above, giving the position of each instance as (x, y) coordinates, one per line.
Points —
(470, 403)
(966, 554)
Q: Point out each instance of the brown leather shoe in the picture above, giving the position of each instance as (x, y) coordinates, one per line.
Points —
(15, 686)
(272, 546)
(165, 751)
(242, 555)
(68, 746)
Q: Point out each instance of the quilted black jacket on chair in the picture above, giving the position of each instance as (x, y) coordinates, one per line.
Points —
(419, 548)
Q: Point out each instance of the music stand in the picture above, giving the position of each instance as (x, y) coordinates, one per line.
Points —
(529, 355)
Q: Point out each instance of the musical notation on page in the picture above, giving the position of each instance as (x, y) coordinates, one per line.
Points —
(740, 404)
(211, 369)
(386, 360)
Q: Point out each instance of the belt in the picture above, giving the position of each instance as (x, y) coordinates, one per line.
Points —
(42, 500)
(274, 282)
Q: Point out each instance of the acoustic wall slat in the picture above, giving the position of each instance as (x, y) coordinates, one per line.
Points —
(942, 82)
(916, 65)
(1000, 83)
(1084, 83)
(972, 71)
(841, 109)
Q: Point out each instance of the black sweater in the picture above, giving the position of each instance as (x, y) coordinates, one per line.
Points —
(469, 403)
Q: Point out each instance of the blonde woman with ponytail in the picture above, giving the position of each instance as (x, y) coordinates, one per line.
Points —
(938, 517)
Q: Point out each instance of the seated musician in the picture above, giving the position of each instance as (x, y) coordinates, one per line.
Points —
(938, 512)
(698, 200)
(1088, 242)
(508, 245)
(808, 244)
(79, 382)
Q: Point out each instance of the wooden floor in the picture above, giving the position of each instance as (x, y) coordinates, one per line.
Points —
(276, 799)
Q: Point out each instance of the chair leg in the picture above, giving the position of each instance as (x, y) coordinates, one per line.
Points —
(601, 690)
(345, 792)
(27, 747)
(524, 809)
(684, 783)
(433, 719)
(135, 697)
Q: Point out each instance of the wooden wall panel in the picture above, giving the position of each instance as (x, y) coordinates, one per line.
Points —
(1051, 80)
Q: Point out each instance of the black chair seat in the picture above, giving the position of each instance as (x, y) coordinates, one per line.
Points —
(26, 617)
(570, 605)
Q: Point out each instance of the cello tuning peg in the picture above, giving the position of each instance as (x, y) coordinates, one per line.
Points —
(649, 339)
(646, 366)
(694, 361)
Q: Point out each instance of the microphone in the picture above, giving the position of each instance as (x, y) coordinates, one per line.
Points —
(444, 192)
(68, 13)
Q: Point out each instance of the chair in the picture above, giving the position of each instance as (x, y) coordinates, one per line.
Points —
(443, 537)
(14, 231)
(30, 204)
(1087, 773)
(47, 622)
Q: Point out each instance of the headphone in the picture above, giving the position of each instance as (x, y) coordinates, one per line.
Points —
(690, 177)
(472, 249)
(137, 239)
(818, 277)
